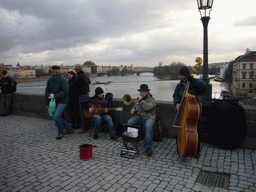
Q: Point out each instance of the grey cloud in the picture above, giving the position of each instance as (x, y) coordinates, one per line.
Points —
(249, 21)
(49, 25)
(5, 44)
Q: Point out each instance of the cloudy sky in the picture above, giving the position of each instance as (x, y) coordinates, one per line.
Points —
(122, 32)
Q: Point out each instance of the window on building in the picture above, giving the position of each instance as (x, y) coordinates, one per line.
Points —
(250, 85)
(251, 75)
(244, 75)
(243, 85)
(251, 65)
(244, 66)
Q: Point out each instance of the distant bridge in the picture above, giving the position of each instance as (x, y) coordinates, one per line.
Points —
(139, 72)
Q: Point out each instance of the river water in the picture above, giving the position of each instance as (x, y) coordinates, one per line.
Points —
(162, 90)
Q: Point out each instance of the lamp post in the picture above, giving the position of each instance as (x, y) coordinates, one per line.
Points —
(205, 7)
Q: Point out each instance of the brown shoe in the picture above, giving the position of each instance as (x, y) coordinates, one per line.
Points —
(69, 132)
(81, 131)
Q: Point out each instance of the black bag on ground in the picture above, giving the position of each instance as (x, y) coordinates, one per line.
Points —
(227, 124)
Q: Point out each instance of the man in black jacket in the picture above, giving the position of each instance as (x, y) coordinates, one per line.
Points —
(98, 99)
(8, 87)
(82, 87)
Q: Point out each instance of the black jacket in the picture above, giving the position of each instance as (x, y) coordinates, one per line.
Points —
(81, 83)
(197, 88)
(8, 85)
(95, 100)
(73, 95)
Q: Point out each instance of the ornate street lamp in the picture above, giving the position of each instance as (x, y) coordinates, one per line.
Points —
(205, 7)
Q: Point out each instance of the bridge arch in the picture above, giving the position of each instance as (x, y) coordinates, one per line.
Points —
(139, 72)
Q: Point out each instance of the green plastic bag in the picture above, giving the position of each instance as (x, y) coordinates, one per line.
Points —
(52, 106)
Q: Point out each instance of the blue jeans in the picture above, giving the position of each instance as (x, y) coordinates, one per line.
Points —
(82, 98)
(60, 123)
(108, 119)
(148, 125)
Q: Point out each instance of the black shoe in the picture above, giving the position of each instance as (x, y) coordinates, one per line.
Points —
(115, 137)
(76, 127)
(60, 136)
(95, 136)
(197, 156)
(4, 114)
(149, 152)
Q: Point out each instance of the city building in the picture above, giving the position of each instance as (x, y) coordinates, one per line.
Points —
(21, 72)
(244, 75)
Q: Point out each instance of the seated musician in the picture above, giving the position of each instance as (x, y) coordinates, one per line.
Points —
(197, 87)
(143, 113)
(98, 99)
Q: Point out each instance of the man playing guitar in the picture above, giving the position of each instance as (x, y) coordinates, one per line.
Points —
(99, 100)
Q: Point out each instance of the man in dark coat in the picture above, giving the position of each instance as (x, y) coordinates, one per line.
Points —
(197, 87)
(82, 87)
(8, 87)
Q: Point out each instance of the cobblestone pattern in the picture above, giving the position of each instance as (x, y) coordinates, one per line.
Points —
(31, 159)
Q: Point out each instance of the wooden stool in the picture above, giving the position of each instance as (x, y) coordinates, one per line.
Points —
(135, 143)
(105, 125)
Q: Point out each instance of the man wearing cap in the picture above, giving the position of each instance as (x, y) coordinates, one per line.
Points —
(197, 87)
(98, 99)
(81, 85)
(57, 88)
(143, 113)
(8, 87)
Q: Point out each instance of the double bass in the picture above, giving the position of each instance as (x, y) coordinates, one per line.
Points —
(187, 138)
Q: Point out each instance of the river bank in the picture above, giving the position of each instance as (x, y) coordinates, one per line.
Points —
(25, 80)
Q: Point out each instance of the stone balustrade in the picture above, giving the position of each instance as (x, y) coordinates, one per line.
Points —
(32, 105)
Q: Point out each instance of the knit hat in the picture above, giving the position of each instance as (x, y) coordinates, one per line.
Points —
(143, 87)
(184, 71)
(4, 72)
(98, 90)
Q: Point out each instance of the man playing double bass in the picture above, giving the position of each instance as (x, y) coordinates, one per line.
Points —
(197, 88)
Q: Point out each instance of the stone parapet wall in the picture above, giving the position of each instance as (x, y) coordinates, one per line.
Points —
(32, 105)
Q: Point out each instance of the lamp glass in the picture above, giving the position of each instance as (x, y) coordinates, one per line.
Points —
(204, 4)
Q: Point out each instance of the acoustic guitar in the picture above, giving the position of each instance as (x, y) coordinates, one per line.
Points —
(97, 109)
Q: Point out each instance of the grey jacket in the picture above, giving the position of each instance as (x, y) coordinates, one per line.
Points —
(145, 108)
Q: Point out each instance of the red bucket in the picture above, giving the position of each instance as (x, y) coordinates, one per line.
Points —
(86, 151)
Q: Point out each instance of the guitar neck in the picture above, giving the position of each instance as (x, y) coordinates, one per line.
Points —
(103, 109)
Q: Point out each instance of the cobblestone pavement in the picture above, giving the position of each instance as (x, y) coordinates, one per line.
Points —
(31, 159)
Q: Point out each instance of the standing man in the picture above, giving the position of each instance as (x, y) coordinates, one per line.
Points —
(57, 88)
(143, 113)
(98, 99)
(81, 85)
(197, 87)
(8, 87)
